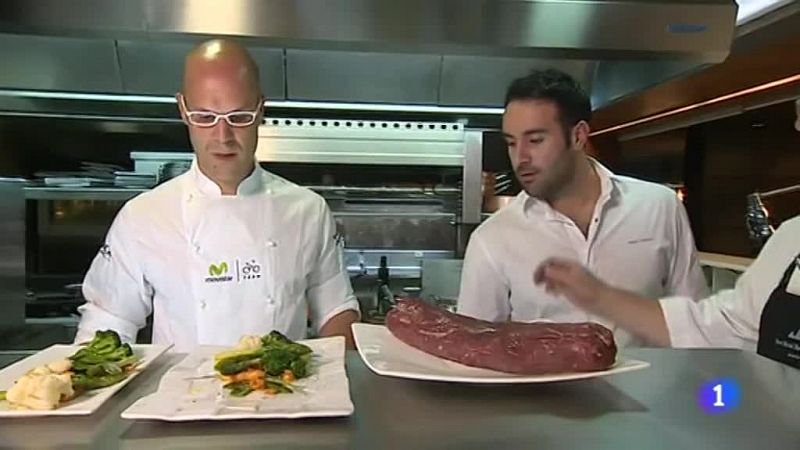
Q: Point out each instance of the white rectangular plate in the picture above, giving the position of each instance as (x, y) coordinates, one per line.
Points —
(84, 404)
(387, 355)
(189, 391)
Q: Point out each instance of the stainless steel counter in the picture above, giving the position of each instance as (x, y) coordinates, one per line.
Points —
(650, 409)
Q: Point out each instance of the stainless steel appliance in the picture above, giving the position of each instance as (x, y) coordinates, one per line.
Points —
(406, 190)
(12, 255)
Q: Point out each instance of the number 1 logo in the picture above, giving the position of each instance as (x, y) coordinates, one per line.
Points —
(719, 396)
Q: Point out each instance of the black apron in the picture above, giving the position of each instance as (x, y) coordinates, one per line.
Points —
(779, 331)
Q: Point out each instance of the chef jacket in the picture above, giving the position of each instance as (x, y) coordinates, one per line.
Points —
(762, 311)
(212, 268)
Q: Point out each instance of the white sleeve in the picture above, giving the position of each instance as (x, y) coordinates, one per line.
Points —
(328, 288)
(484, 291)
(117, 295)
(685, 276)
(731, 318)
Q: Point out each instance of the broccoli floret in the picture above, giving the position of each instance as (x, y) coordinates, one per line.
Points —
(105, 345)
(275, 337)
(277, 340)
(104, 342)
(277, 360)
(299, 366)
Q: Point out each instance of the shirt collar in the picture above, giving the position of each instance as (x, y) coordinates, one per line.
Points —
(532, 206)
(249, 186)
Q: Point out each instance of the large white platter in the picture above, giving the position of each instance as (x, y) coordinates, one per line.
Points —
(189, 391)
(386, 355)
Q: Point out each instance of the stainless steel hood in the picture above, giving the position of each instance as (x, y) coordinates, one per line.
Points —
(434, 52)
(575, 29)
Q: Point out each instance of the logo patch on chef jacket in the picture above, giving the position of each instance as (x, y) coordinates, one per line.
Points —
(251, 270)
(105, 251)
(242, 270)
(215, 270)
(218, 273)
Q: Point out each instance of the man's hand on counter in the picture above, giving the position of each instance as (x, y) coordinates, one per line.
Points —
(637, 314)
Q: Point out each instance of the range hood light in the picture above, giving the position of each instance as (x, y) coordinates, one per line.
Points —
(330, 106)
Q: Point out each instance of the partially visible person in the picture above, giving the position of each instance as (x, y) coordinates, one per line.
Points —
(226, 249)
(761, 313)
(632, 232)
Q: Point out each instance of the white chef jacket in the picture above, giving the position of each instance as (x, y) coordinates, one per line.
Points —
(731, 318)
(212, 268)
(638, 239)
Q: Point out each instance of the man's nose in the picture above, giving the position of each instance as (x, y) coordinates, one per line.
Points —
(223, 130)
(519, 154)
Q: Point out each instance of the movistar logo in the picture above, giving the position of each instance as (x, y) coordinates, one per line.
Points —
(240, 270)
(215, 270)
(218, 273)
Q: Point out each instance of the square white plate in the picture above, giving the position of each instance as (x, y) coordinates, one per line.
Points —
(84, 404)
(189, 391)
(389, 356)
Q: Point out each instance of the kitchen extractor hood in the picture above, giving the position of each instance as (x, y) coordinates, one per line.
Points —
(574, 29)
(422, 52)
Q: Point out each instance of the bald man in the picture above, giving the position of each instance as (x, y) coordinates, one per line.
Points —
(227, 248)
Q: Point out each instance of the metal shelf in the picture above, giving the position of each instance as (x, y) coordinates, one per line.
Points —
(81, 193)
(119, 193)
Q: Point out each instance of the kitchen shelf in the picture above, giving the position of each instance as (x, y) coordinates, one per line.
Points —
(81, 193)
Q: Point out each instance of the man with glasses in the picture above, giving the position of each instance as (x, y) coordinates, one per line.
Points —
(226, 249)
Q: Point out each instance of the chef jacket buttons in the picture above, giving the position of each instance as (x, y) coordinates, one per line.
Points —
(270, 300)
(271, 243)
(196, 248)
(203, 304)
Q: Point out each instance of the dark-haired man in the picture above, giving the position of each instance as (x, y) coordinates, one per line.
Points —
(629, 232)
(761, 313)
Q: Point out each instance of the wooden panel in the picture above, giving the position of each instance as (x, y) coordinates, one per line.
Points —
(755, 151)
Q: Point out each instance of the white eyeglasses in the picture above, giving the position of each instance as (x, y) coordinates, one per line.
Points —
(208, 119)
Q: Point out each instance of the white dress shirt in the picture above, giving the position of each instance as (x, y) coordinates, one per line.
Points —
(638, 239)
(212, 268)
(731, 318)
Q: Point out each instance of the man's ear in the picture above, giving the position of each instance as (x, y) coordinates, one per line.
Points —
(580, 135)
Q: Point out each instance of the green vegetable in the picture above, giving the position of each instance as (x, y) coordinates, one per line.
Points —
(238, 389)
(2, 395)
(299, 366)
(87, 383)
(240, 354)
(279, 385)
(276, 360)
(102, 362)
(276, 355)
(277, 340)
(103, 343)
(232, 366)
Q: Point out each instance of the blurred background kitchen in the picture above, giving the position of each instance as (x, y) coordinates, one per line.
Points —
(391, 111)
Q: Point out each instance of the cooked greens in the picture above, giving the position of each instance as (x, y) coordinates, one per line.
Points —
(104, 361)
(271, 367)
